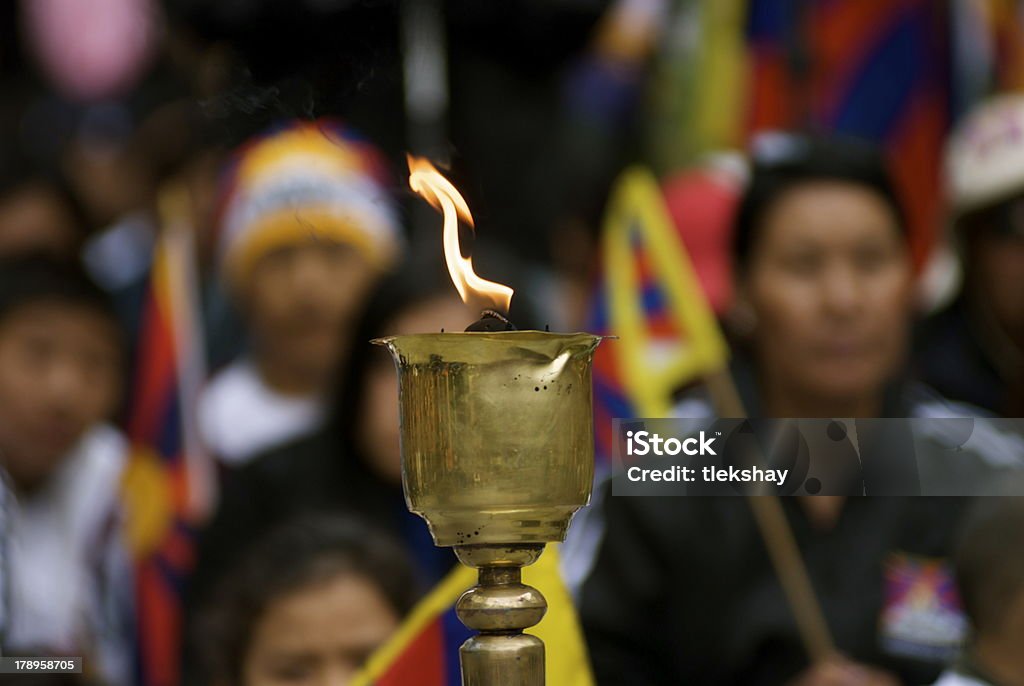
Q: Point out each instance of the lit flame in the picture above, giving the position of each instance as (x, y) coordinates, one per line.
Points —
(439, 192)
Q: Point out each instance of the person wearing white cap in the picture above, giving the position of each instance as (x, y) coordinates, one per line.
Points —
(306, 229)
(974, 350)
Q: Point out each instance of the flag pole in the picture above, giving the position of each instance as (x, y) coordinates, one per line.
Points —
(176, 246)
(778, 538)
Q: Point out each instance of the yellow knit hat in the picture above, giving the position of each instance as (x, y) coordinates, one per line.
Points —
(307, 179)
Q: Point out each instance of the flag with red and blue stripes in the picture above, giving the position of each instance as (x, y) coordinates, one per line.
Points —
(168, 483)
(876, 69)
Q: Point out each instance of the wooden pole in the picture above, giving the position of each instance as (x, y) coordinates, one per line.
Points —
(778, 539)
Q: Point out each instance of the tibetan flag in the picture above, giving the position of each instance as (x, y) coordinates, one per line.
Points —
(425, 650)
(876, 69)
(168, 484)
(650, 298)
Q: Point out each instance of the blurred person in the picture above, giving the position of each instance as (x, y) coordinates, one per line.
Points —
(306, 229)
(67, 575)
(37, 212)
(824, 280)
(973, 350)
(989, 565)
(681, 589)
(114, 174)
(125, 176)
(307, 604)
(352, 464)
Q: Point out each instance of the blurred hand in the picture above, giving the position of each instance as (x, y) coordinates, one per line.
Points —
(839, 671)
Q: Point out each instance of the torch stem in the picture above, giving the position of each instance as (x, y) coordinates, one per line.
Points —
(500, 607)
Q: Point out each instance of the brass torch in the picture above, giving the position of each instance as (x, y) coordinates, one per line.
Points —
(497, 456)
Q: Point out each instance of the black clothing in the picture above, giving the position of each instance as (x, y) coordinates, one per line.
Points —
(309, 476)
(950, 358)
(683, 592)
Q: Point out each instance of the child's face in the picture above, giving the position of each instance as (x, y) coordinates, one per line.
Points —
(298, 299)
(59, 375)
(319, 635)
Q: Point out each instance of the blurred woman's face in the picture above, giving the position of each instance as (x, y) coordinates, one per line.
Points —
(321, 634)
(829, 281)
(379, 426)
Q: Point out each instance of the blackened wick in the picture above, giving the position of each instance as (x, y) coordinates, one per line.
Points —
(491, 320)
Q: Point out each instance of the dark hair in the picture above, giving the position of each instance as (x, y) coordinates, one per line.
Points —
(18, 173)
(411, 284)
(783, 161)
(31, 279)
(300, 553)
(989, 560)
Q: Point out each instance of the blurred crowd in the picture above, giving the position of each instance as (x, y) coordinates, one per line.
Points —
(204, 220)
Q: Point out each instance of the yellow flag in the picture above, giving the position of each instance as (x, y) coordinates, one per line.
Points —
(650, 368)
(418, 653)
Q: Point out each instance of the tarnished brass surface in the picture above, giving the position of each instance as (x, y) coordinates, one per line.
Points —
(497, 432)
(500, 606)
(517, 555)
(497, 455)
(500, 602)
(497, 660)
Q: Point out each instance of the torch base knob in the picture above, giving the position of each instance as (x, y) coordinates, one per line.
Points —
(500, 603)
(500, 607)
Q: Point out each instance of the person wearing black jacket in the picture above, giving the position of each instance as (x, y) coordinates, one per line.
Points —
(681, 589)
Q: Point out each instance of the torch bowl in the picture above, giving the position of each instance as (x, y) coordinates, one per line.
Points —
(496, 432)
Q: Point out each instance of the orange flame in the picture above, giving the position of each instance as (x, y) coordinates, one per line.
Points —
(425, 180)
